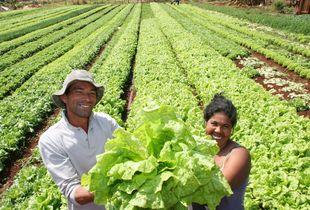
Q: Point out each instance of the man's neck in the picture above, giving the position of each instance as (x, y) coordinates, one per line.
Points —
(77, 121)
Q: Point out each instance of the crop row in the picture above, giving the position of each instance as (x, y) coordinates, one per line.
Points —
(22, 30)
(269, 128)
(28, 105)
(114, 70)
(12, 79)
(158, 79)
(224, 46)
(33, 188)
(42, 192)
(16, 13)
(270, 54)
(9, 45)
(29, 19)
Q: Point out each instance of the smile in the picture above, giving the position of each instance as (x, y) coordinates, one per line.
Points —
(85, 106)
(216, 137)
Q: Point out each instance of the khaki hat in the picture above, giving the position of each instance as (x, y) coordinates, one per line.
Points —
(77, 76)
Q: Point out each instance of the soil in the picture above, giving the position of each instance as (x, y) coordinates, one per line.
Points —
(31, 7)
(292, 76)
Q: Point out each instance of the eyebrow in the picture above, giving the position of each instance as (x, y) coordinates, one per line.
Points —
(81, 88)
(223, 124)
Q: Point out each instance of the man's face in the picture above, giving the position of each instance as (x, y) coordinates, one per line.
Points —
(80, 100)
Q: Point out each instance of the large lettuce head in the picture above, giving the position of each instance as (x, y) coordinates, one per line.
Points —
(160, 165)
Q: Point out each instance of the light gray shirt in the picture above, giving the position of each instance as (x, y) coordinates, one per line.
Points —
(68, 152)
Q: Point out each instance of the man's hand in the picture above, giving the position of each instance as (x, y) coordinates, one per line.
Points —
(82, 196)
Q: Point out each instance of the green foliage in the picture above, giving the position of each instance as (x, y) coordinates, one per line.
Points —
(33, 188)
(299, 69)
(250, 72)
(146, 12)
(32, 100)
(27, 50)
(114, 75)
(299, 104)
(170, 172)
(279, 4)
(9, 45)
(280, 151)
(290, 10)
(291, 23)
(10, 80)
(24, 29)
(197, 26)
(304, 72)
(275, 150)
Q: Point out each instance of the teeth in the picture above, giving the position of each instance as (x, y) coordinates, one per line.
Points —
(84, 106)
(216, 137)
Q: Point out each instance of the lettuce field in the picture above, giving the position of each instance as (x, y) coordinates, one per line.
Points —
(150, 54)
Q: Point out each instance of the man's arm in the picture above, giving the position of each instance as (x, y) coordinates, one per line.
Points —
(61, 169)
(82, 196)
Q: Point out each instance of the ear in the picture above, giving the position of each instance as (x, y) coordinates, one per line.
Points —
(63, 97)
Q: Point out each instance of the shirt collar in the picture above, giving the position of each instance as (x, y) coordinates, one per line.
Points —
(90, 120)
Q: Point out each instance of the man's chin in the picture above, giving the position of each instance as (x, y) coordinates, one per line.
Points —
(84, 114)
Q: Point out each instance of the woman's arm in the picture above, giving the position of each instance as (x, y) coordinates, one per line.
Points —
(237, 166)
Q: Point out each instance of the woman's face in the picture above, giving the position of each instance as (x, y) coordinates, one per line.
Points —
(219, 127)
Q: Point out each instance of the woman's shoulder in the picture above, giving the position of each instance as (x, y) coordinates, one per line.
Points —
(238, 149)
(237, 165)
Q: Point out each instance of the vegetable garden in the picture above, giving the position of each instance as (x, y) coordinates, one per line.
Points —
(177, 55)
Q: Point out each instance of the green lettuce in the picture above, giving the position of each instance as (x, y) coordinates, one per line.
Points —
(160, 165)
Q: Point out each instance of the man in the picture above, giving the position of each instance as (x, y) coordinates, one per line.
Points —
(69, 148)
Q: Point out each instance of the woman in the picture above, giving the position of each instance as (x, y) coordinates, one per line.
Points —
(234, 160)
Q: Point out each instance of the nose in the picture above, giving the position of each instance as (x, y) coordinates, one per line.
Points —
(86, 97)
(217, 129)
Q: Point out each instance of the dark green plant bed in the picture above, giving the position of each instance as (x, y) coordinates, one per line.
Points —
(290, 23)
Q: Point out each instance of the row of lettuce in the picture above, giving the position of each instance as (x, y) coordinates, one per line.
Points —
(272, 131)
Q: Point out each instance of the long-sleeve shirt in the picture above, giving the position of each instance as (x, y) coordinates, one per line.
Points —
(68, 152)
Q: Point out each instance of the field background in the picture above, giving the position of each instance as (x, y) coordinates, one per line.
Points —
(146, 54)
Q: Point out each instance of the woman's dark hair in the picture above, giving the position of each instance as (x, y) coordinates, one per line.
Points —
(221, 104)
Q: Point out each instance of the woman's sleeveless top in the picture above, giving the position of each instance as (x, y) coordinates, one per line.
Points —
(233, 202)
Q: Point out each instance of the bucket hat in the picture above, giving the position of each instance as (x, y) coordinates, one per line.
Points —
(77, 76)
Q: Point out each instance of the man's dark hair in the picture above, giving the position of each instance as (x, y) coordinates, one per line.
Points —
(67, 90)
(221, 104)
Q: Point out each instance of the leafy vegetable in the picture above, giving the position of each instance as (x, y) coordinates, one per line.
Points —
(170, 172)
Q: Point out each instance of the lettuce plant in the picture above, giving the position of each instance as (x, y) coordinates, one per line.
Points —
(158, 166)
